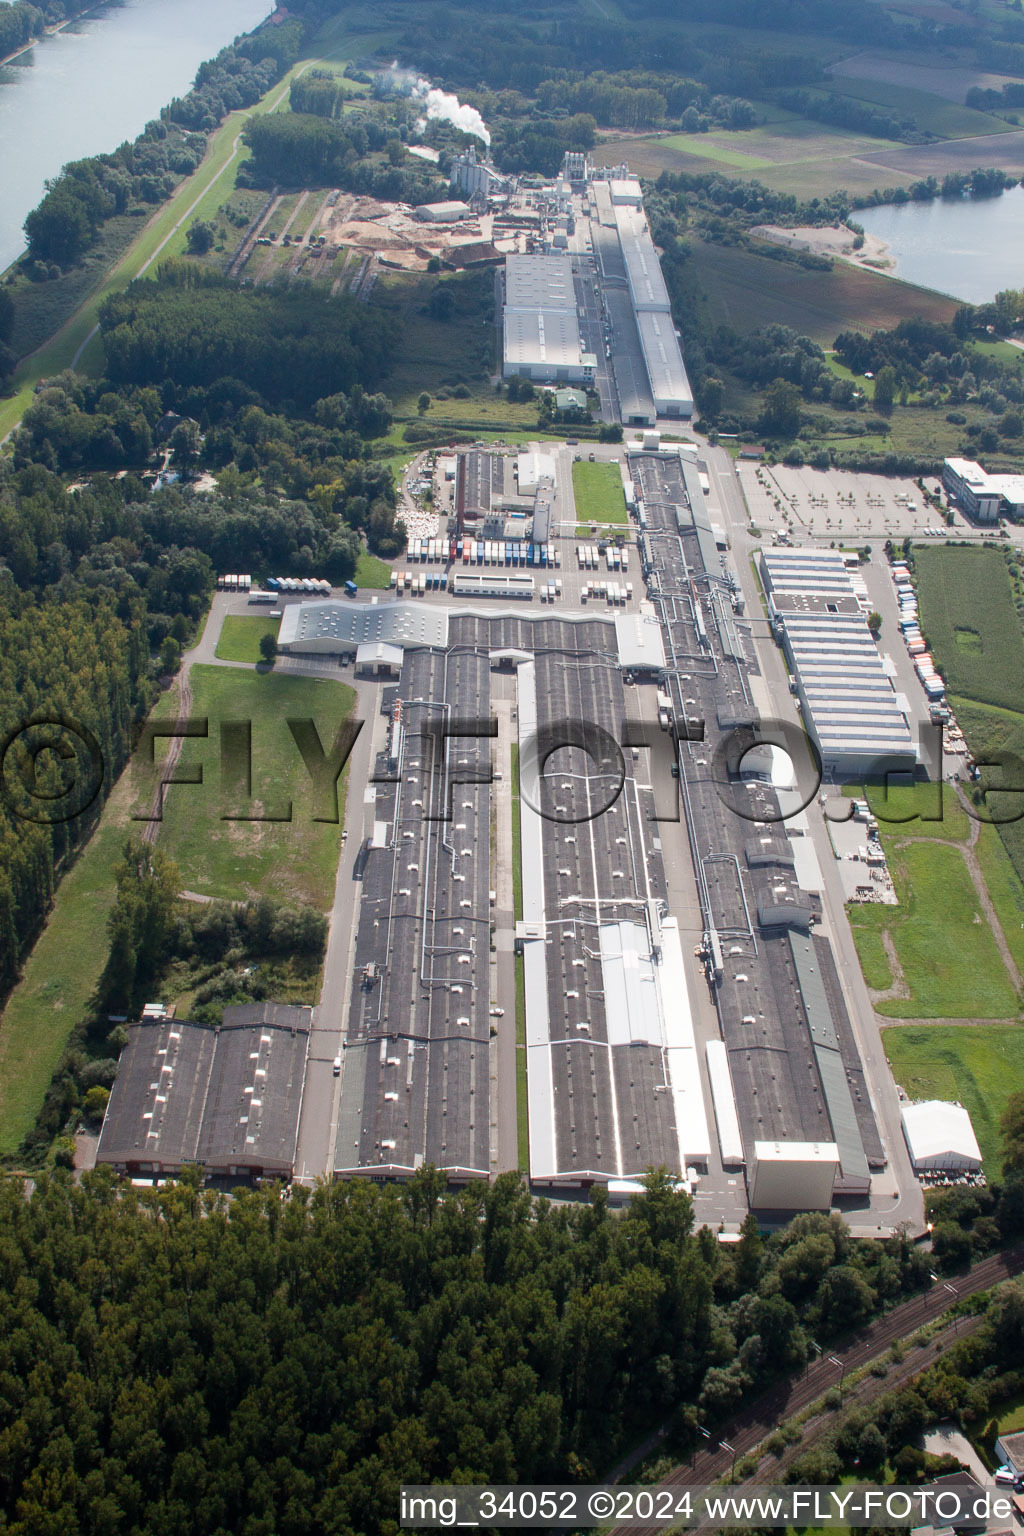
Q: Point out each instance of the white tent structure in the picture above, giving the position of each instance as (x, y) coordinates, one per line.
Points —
(940, 1137)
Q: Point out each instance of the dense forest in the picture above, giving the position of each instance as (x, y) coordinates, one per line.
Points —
(291, 345)
(101, 575)
(172, 1361)
(362, 153)
(82, 660)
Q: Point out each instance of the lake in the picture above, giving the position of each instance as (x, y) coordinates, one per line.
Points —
(970, 248)
(98, 82)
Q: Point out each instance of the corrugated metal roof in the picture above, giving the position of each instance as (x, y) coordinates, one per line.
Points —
(838, 1098)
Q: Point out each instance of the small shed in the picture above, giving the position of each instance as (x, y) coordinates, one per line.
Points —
(375, 658)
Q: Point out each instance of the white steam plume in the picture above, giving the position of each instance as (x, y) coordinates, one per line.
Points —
(445, 107)
(438, 105)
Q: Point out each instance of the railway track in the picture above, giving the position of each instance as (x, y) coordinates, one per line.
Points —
(747, 1430)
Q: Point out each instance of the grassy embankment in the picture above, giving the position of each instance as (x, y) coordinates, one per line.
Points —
(522, 1094)
(293, 861)
(198, 196)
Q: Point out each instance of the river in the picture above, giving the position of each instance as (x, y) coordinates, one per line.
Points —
(98, 82)
(971, 248)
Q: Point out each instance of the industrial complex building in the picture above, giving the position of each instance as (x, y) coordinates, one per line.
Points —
(226, 1098)
(621, 1075)
(794, 1097)
(850, 708)
(541, 327)
(982, 496)
(593, 238)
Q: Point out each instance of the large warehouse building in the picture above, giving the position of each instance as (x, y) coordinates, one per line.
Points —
(542, 332)
(226, 1098)
(850, 707)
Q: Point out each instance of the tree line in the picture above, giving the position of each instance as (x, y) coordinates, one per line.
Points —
(88, 192)
(21, 22)
(176, 1360)
(83, 661)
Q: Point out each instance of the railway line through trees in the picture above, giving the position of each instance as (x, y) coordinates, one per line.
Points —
(746, 1431)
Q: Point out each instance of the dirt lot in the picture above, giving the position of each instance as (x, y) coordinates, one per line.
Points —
(831, 241)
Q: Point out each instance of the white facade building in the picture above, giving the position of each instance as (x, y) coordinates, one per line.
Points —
(940, 1137)
(793, 1175)
(850, 708)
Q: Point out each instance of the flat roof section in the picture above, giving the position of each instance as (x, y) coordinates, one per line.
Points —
(665, 369)
(643, 267)
(543, 339)
(540, 282)
(226, 1097)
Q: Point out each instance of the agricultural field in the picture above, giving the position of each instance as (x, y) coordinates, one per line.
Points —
(978, 1066)
(745, 290)
(936, 77)
(240, 636)
(1003, 151)
(949, 963)
(933, 114)
(971, 624)
(294, 860)
(597, 490)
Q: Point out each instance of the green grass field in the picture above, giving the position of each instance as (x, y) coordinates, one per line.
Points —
(293, 860)
(698, 144)
(1005, 889)
(371, 572)
(915, 802)
(971, 624)
(979, 1066)
(597, 489)
(948, 956)
(60, 974)
(241, 634)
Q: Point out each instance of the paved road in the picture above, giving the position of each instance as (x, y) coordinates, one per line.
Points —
(748, 1429)
(321, 1096)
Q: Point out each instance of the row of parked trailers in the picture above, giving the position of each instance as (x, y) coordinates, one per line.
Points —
(312, 586)
(234, 583)
(588, 557)
(468, 551)
(618, 593)
(910, 629)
